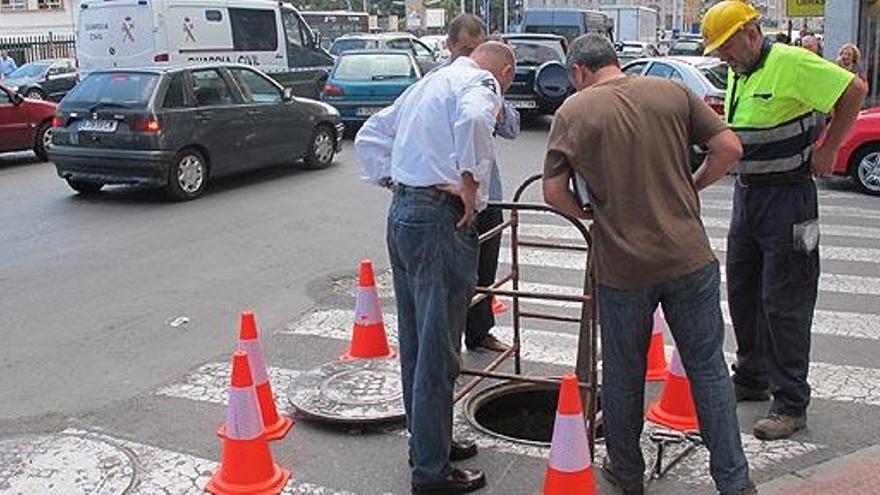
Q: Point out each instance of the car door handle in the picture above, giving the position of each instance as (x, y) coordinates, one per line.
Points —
(204, 117)
(253, 111)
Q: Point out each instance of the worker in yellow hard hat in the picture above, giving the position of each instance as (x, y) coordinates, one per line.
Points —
(773, 95)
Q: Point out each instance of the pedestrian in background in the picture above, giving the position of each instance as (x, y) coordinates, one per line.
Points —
(811, 43)
(849, 58)
(773, 94)
(465, 32)
(7, 64)
(435, 148)
(631, 138)
(783, 38)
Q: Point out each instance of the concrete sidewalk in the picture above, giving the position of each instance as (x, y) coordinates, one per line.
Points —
(854, 474)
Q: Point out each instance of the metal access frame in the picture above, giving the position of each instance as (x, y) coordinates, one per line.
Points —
(586, 367)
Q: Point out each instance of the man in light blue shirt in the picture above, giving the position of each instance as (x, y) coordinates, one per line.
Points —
(435, 147)
(7, 64)
(466, 32)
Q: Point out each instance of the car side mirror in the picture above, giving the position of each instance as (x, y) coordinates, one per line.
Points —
(288, 95)
(17, 99)
(316, 40)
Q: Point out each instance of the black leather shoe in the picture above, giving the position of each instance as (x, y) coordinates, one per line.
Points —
(460, 450)
(458, 481)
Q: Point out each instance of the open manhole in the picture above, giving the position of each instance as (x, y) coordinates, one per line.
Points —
(518, 412)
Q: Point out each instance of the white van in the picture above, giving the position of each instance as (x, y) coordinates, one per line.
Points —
(265, 34)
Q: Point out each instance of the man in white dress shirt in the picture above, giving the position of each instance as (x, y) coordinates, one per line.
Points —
(434, 147)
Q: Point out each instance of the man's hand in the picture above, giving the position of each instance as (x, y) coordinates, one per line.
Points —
(467, 191)
(822, 162)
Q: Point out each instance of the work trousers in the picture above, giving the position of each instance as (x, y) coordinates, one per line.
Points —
(772, 283)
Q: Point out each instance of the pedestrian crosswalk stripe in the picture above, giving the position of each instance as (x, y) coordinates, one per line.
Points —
(829, 210)
(828, 282)
(558, 232)
(824, 228)
(832, 382)
(165, 471)
(833, 323)
(728, 188)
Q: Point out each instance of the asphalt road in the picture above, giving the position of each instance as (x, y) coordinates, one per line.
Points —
(94, 291)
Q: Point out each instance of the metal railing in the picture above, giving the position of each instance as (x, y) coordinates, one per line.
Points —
(586, 366)
(24, 49)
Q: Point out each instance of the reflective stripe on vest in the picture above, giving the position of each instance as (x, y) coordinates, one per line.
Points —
(783, 148)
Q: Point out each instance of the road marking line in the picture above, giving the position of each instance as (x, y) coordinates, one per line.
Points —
(833, 382)
(545, 231)
(824, 229)
(828, 282)
(166, 471)
(829, 210)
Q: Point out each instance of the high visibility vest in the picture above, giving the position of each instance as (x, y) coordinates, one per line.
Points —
(773, 109)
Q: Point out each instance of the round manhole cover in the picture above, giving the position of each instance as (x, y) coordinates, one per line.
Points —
(353, 392)
(63, 464)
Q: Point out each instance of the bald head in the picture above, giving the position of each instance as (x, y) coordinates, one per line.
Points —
(497, 58)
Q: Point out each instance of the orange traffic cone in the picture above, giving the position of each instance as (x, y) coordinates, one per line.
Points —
(498, 306)
(276, 425)
(368, 338)
(675, 409)
(570, 468)
(657, 366)
(246, 465)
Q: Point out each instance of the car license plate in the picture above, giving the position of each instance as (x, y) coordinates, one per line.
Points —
(523, 103)
(367, 111)
(97, 125)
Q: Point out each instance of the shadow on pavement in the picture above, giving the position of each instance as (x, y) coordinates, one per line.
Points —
(10, 160)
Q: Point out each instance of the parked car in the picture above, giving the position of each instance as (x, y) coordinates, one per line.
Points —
(705, 76)
(181, 127)
(44, 80)
(365, 81)
(627, 51)
(859, 156)
(541, 82)
(25, 124)
(424, 56)
(686, 46)
(437, 43)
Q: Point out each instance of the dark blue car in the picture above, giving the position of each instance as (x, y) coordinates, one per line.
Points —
(363, 82)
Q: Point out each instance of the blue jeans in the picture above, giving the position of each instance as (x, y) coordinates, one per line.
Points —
(692, 308)
(434, 266)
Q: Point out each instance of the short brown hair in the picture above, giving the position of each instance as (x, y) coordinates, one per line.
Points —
(468, 24)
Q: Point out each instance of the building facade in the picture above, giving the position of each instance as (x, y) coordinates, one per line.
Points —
(36, 17)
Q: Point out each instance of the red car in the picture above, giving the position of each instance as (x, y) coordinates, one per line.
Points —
(859, 156)
(25, 124)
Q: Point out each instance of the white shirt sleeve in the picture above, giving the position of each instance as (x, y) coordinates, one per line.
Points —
(374, 142)
(473, 141)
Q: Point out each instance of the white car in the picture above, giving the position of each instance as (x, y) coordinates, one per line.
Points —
(437, 43)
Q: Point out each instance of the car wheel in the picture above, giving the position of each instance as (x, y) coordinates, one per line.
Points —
(864, 168)
(322, 148)
(42, 141)
(188, 176)
(35, 94)
(84, 187)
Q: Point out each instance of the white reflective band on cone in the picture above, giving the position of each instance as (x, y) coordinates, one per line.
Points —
(255, 359)
(367, 311)
(659, 321)
(569, 452)
(675, 366)
(243, 420)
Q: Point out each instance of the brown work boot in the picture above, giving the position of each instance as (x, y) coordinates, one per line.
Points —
(492, 343)
(777, 426)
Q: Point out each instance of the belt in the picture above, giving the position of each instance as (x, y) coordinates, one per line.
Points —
(432, 191)
(774, 179)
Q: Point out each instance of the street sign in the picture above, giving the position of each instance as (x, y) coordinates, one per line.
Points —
(805, 8)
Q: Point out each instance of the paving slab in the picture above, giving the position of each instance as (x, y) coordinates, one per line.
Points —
(854, 474)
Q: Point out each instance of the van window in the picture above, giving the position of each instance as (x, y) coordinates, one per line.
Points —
(213, 16)
(174, 97)
(210, 88)
(253, 30)
(254, 87)
(292, 29)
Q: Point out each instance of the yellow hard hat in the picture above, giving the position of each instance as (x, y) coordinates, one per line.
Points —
(723, 20)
